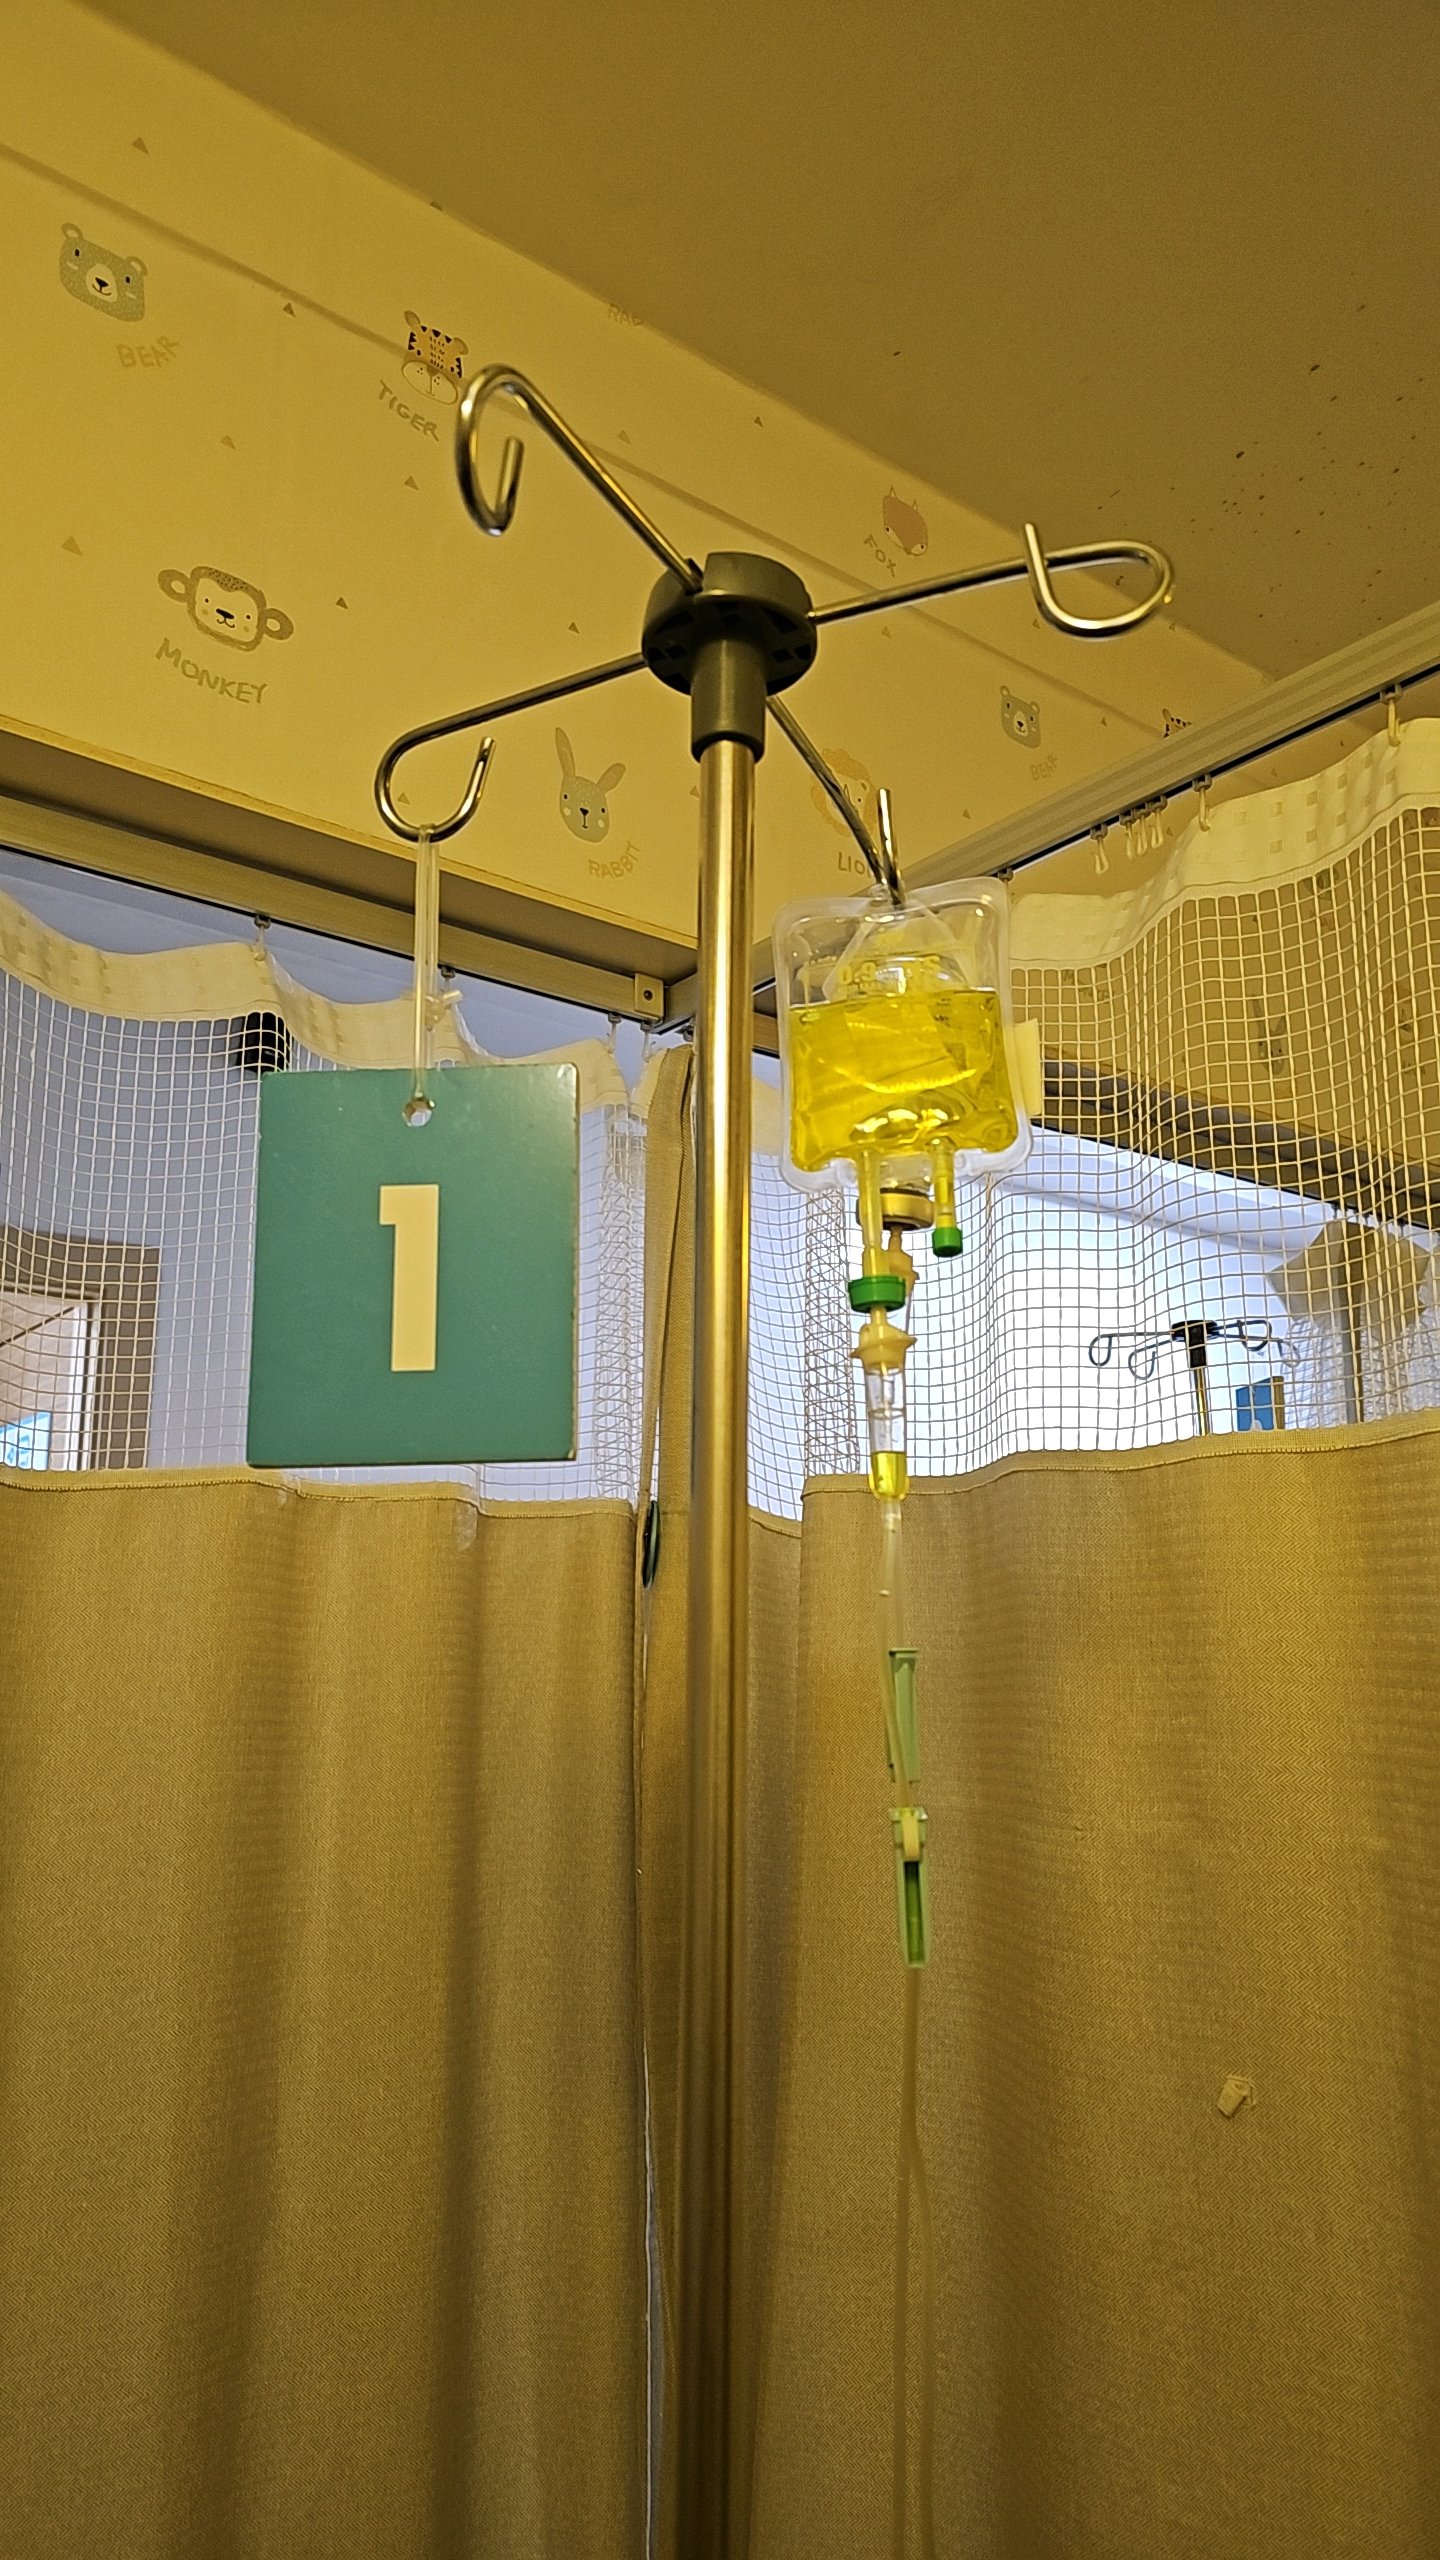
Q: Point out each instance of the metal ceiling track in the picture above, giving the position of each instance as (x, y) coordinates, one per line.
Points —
(1293, 707)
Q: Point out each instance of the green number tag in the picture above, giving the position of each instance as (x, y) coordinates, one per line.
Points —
(415, 1286)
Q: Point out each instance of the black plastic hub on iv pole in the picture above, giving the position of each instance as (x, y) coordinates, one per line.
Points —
(730, 643)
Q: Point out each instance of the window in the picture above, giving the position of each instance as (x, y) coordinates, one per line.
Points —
(26, 1443)
(77, 1347)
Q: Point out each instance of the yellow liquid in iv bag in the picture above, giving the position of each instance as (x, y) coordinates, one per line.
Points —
(896, 1073)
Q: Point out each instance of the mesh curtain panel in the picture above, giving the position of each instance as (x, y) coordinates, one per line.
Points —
(1272, 1021)
(129, 1119)
(1241, 1128)
(1240, 1079)
(322, 2210)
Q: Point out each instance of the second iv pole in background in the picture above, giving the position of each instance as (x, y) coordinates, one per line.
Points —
(1196, 1333)
(732, 636)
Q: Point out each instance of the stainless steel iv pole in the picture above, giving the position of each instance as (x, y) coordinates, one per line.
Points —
(732, 636)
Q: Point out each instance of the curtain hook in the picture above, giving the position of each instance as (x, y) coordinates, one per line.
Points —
(1202, 794)
(1102, 858)
(1392, 715)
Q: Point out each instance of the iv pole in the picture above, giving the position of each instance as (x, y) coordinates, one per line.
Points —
(733, 636)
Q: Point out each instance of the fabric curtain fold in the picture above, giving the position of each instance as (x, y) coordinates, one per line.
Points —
(1180, 2051)
(323, 2211)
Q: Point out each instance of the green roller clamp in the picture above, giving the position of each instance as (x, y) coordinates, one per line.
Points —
(877, 1289)
(912, 1883)
(907, 1722)
(946, 1242)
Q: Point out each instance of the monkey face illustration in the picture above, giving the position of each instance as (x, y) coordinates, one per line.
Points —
(226, 608)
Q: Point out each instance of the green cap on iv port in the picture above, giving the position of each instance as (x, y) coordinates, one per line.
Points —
(877, 1289)
(945, 1241)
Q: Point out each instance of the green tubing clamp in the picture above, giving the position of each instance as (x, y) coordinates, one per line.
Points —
(902, 1660)
(946, 1241)
(877, 1289)
(907, 1823)
(912, 1883)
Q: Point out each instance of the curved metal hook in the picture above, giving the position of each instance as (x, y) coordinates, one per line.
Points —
(500, 381)
(558, 690)
(444, 827)
(1255, 1333)
(1092, 626)
(1004, 573)
(890, 868)
(880, 857)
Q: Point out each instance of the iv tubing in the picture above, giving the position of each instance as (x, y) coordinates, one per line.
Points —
(427, 954)
(911, 2179)
(910, 2159)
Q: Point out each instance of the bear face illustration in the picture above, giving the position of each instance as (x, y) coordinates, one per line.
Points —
(226, 608)
(1019, 720)
(434, 363)
(99, 278)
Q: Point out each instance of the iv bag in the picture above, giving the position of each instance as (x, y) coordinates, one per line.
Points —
(896, 1034)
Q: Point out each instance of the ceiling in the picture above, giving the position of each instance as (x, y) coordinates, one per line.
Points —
(1118, 268)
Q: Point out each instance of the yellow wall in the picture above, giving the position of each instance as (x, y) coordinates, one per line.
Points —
(256, 418)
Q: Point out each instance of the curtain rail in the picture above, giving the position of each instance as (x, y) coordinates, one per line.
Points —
(1293, 707)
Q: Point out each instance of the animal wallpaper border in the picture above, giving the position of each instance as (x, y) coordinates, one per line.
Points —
(238, 631)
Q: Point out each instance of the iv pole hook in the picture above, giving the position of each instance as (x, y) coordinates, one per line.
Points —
(499, 381)
(881, 856)
(1091, 626)
(442, 828)
(558, 690)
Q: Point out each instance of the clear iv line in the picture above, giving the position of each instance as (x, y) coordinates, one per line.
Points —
(427, 959)
(911, 2183)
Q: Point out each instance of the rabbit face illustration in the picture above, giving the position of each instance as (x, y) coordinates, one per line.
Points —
(584, 805)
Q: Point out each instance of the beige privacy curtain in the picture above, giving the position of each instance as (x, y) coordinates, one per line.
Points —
(1180, 2046)
(321, 2174)
(1180, 2043)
